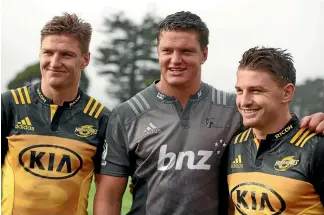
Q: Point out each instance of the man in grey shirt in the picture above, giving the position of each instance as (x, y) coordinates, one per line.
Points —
(170, 137)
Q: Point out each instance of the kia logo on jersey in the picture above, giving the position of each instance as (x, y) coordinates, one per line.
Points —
(254, 198)
(50, 161)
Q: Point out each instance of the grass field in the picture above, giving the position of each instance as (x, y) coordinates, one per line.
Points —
(127, 200)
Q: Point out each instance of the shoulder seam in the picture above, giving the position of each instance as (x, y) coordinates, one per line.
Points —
(141, 113)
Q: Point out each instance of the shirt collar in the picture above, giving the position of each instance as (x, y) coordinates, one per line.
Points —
(46, 100)
(278, 136)
(198, 95)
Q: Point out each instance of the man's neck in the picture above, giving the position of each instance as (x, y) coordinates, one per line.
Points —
(181, 93)
(279, 123)
(59, 96)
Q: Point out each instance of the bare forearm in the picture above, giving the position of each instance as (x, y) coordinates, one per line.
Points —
(106, 207)
(109, 194)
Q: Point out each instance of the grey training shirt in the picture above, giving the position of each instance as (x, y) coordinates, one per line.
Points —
(172, 154)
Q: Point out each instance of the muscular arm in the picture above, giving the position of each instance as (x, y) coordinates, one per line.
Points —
(114, 171)
(108, 197)
(317, 173)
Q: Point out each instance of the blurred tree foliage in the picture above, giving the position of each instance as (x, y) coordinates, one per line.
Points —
(309, 98)
(129, 56)
(32, 74)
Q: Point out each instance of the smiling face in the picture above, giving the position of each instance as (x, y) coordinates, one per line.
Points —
(260, 99)
(180, 58)
(61, 61)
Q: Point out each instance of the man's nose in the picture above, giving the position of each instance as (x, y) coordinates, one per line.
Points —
(55, 61)
(245, 99)
(176, 58)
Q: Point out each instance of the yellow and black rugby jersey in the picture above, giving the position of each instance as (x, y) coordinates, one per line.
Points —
(283, 174)
(49, 152)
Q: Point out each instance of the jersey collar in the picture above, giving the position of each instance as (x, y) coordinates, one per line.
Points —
(41, 97)
(198, 95)
(292, 123)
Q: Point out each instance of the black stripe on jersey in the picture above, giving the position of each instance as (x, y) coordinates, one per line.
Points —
(21, 95)
(93, 108)
(301, 137)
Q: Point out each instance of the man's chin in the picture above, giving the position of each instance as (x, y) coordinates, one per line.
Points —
(177, 81)
(250, 123)
(57, 84)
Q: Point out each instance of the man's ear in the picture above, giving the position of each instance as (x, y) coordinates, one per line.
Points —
(289, 92)
(205, 55)
(86, 60)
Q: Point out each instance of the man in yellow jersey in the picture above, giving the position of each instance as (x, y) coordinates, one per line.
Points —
(275, 166)
(52, 132)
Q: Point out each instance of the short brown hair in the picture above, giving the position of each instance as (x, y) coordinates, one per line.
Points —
(185, 21)
(72, 25)
(274, 60)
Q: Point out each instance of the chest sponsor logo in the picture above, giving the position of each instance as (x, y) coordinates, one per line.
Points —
(255, 198)
(210, 122)
(286, 163)
(86, 131)
(25, 124)
(168, 160)
(50, 161)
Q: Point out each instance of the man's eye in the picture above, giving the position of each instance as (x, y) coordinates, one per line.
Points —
(67, 54)
(256, 91)
(239, 91)
(166, 51)
(187, 51)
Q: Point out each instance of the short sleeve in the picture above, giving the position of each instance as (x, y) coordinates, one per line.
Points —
(115, 159)
(101, 136)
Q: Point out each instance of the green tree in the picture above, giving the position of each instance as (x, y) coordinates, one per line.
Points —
(129, 58)
(32, 74)
(309, 98)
